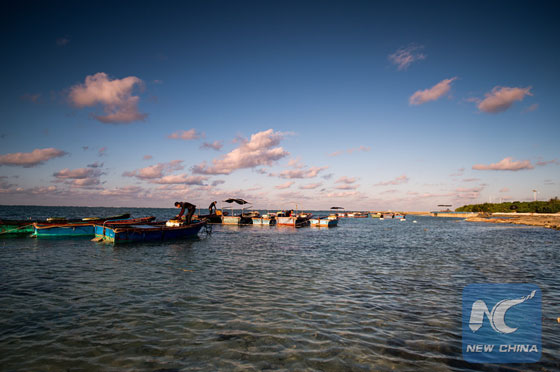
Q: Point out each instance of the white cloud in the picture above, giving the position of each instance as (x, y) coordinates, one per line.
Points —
(501, 98)
(31, 159)
(396, 181)
(190, 134)
(431, 94)
(506, 164)
(115, 95)
(155, 171)
(284, 185)
(404, 57)
(311, 186)
(216, 145)
(301, 173)
(260, 149)
(346, 180)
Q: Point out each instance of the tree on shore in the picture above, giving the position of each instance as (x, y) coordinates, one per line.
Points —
(551, 206)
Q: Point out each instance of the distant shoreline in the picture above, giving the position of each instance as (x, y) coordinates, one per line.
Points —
(548, 221)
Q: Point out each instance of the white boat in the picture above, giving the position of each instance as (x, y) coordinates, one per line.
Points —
(325, 221)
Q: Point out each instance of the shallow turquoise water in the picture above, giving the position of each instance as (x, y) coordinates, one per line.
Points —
(368, 295)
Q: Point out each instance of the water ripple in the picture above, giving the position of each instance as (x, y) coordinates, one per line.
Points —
(366, 296)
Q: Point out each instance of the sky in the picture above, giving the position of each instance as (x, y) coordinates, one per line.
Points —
(358, 104)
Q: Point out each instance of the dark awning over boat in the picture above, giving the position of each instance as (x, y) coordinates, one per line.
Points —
(238, 201)
(337, 207)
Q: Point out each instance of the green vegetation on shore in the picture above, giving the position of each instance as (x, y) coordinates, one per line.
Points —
(551, 206)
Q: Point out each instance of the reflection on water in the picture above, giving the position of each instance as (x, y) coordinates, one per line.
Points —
(367, 295)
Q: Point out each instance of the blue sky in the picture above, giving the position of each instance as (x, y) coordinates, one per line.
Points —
(363, 105)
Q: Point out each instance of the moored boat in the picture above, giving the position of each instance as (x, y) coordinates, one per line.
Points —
(265, 219)
(147, 232)
(324, 221)
(11, 228)
(80, 228)
(293, 219)
(242, 219)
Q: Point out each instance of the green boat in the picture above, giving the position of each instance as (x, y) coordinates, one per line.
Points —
(23, 228)
(11, 228)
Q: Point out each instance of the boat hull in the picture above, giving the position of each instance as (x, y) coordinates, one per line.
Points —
(264, 221)
(236, 220)
(145, 233)
(15, 228)
(323, 222)
(79, 229)
(292, 221)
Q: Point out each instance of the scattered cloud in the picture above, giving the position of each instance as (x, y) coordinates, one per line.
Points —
(504, 189)
(180, 179)
(80, 177)
(285, 185)
(187, 135)
(85, 148)
(218, 182)
(396, 181)
(346, 187)
(102, 151)
(311, 186)
(95, 165)
(431, 94)
(506, 164)
(501, 98)
(30, 159)
(346, 180)
(404, 57)
(119, 104)
(343, 194)
(542, 163)
(261, 149)
(147, 157)
(79, 173)
(155, 171)
(125, 191)
(471, 179)
(301, 173)
(216, 145)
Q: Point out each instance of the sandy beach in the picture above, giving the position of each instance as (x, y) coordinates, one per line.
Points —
(547, 221)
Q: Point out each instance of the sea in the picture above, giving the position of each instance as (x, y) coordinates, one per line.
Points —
(368, 295)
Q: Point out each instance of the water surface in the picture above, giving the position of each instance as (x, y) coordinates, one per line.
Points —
(368, 295)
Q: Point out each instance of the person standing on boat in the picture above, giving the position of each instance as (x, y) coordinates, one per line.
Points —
(188, 206)
(212, 208)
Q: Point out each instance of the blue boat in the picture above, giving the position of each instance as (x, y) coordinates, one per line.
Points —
(324, 221)
(149, 232)
(81, 228)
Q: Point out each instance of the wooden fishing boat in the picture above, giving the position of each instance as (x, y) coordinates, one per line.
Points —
(147, 232)
(265, 219)
(241, 219)
(359, 215)
(324, 221)
(80, 228)
(376, 215)
(11, 228)
(293, 220)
